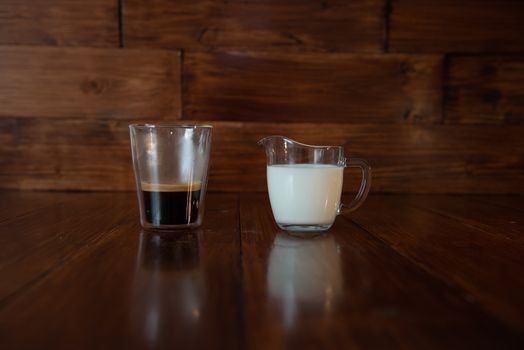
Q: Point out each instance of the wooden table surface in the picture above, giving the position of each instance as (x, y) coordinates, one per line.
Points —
(409, 272)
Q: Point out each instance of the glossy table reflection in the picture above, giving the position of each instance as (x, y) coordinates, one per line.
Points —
(77, 271)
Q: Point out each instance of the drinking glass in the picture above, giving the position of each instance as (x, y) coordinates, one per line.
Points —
(170, 163)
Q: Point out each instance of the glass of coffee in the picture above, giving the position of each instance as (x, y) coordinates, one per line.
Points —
(170, 162)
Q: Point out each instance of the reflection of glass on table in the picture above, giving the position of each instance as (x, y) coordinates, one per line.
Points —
(168, 289)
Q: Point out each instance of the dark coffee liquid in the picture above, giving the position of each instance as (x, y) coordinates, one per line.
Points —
(176, 204)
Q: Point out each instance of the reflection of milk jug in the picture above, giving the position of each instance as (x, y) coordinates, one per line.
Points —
(305, 272)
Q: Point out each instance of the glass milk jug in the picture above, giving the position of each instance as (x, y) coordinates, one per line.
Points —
(305, 183)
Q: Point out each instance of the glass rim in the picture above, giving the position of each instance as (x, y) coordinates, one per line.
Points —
(287, 139)
(170, 125)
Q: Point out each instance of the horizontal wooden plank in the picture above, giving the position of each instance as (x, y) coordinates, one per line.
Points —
(66, 167)
(59, 22)
(87, 82)
(457, 26)
(280, 25)
(478, 261)
(312, 87)
(59, 131)
(405, 158)
(343, 290)
(485, 89)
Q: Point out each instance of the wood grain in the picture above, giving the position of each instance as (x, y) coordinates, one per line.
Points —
(86, 82)
(481, 212)
(480, 262)
(485, 89)
(52, 235)
(451, 26)
(67, 167)
(21, 203)
(132, 288)
(348, 289)
(334, 25)
(59, 23)
(405, 158)
(413, 276)
(312, 87)
(508, 202)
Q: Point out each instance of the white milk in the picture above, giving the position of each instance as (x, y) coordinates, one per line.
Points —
(305, 194)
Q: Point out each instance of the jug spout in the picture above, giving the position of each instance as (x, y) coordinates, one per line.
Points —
(283, 150)
(277, 147)
(271, 141)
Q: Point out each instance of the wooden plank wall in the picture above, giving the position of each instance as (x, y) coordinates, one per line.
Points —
(430, 92)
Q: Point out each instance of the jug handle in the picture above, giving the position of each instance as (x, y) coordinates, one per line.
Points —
(365, 184)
